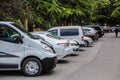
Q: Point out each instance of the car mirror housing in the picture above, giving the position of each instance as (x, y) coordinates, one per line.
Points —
(19, 39)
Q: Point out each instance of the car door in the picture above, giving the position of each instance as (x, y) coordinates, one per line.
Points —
(11, 52)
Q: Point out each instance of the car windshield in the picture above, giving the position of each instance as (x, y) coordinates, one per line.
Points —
(23, 30)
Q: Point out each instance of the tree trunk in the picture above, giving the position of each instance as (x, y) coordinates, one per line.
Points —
(26, 24)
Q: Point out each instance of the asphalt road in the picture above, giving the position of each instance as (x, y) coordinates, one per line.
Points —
(101, 61)
(106, 64)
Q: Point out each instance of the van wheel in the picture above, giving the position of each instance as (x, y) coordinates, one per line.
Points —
(32, 67)
(86, 43)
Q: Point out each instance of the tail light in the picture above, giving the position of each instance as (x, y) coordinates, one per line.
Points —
(63, 44)
(91, 34)
(82, 38)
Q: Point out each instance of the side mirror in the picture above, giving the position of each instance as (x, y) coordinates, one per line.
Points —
(19, 39)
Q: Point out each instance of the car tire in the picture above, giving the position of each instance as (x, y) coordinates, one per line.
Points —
(32, 67)
(86, 43)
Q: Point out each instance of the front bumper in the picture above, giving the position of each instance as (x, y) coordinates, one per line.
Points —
(49, 63)
(66, 52)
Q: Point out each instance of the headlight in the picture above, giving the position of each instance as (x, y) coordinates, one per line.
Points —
(46, 47)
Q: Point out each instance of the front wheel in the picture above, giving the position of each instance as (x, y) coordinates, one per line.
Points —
(32, 67)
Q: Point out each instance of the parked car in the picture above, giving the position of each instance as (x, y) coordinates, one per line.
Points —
(19, 50)
(69, 32)
(112, 29)
(88, 41)
(98, 28)
(106, 28)
(75, 47)
(61, 46)
(90, 32)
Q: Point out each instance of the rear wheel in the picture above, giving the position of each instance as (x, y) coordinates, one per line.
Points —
(86, 43)
(32, 67)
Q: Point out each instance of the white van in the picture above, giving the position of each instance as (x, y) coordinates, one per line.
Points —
(69, 32)
(20, 51)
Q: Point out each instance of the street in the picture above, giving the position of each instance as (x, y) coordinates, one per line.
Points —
(101, 61)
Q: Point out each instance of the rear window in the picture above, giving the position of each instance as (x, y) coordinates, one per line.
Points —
(69, 32)
(86, 30)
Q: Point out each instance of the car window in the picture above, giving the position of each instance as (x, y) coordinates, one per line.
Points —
(69, 32)
(23, 30)
(8, 34)
(54, 32)
(86, 30)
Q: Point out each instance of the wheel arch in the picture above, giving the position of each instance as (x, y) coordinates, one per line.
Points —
(86, 42)
(30, 57)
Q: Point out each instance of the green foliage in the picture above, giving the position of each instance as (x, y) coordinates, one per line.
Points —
(45, 13)
(12, 10)
(116, 12)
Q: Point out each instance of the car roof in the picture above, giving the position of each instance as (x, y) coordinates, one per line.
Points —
(87, 28)
(40, 32)
(6, 22)
(63, 27)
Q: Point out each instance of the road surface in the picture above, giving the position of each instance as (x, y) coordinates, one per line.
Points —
(106, 64)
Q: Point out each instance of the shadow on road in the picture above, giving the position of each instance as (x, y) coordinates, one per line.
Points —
(73, 55)
(48, 73)
(11, 73)
(63, 61)
(89, 46)
(20, 73)
(82, 50)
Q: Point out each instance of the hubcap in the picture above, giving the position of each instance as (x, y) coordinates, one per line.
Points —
(32, 67)
(85, 43)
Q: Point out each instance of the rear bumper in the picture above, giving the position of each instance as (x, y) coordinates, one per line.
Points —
(49, 63)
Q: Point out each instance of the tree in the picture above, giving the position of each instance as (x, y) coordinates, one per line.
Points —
(116, 12)
(17, 11)
(100, 11)
(80, 10)
(46, 13)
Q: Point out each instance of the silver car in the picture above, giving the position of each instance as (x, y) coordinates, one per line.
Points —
(90, 32)
(61, 46)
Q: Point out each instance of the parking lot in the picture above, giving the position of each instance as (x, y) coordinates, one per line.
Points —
(65, 67)
(60, 40)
